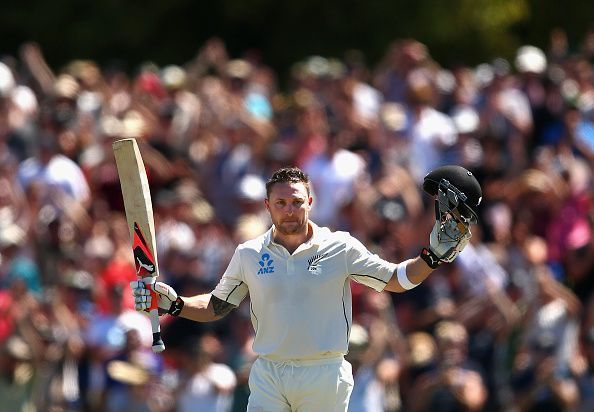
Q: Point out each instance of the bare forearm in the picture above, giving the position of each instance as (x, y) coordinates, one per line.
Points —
(198, 308)
(416, 271)
(205, 308)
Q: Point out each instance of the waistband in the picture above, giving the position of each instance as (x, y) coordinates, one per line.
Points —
(304, 362)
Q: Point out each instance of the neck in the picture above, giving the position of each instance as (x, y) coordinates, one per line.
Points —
(292, 242)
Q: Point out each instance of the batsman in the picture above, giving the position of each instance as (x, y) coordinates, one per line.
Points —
(298, 277)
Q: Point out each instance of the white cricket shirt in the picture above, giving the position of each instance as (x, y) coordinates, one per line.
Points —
(301, 305)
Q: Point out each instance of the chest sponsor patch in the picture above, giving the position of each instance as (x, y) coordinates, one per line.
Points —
(266, 264)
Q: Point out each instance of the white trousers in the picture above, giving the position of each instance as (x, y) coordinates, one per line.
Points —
(300, 386)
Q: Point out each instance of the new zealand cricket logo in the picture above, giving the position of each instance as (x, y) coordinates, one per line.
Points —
(143, 258)
(314, 263)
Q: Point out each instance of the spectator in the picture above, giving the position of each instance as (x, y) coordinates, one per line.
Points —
(202, 381)
(129, 372)
(456, 384)
(16, 375)
(431, 134)
(376, 376)
(539, 385)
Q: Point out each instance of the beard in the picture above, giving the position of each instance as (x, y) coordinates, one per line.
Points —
(292, 227)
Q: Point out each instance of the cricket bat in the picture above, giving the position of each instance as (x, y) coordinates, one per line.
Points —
(139, 214)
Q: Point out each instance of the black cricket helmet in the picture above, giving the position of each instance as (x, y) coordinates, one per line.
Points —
(457, 190)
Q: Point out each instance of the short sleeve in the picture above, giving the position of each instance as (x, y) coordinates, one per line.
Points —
(367, 268)
(231, 287)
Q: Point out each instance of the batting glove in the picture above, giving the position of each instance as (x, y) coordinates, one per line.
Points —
(446, 241)
(168, 301)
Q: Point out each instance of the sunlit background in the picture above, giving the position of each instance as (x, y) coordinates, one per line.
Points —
(366, 97)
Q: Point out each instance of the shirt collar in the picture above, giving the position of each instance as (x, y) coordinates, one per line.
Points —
(315, 239)
(316, 234)
(268, 237)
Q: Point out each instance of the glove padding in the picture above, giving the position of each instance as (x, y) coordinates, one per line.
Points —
(448, 239)
(142, 296)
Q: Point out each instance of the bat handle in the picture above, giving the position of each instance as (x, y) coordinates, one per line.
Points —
(158, 345)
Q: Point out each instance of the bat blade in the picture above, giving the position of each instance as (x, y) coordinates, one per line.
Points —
(143, 257)
(139, 215)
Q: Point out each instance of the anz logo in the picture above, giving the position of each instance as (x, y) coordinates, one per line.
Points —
(265, 264)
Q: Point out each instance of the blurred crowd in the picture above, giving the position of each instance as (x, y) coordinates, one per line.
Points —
(508, 326)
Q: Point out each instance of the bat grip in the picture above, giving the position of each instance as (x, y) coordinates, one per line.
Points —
(158, 345)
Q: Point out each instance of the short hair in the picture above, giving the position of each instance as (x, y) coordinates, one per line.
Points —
(287, 174)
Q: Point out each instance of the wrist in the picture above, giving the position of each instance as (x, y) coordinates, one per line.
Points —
(402, 277)
(176, 306)
(430, 258)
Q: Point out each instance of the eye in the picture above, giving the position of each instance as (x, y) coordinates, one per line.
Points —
(297, 202)
(280, 203)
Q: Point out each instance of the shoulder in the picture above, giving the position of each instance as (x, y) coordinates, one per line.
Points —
(60, 161)
(255, 244)
(220, 368)
(433, 119)
(29, 166)
(327, 235)
(222, 375)
(342, 236)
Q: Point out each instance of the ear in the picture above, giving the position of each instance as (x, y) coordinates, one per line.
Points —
(267, 204)
(309, 201)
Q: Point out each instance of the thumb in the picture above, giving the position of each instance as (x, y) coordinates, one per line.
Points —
(165, 290)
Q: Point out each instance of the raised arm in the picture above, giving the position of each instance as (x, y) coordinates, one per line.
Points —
(416, 272)
(448, 238)
(457, 194)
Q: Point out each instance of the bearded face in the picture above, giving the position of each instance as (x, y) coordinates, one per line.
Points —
(289, 204)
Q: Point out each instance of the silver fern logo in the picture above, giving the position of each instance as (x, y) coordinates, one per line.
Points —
(314, 263)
